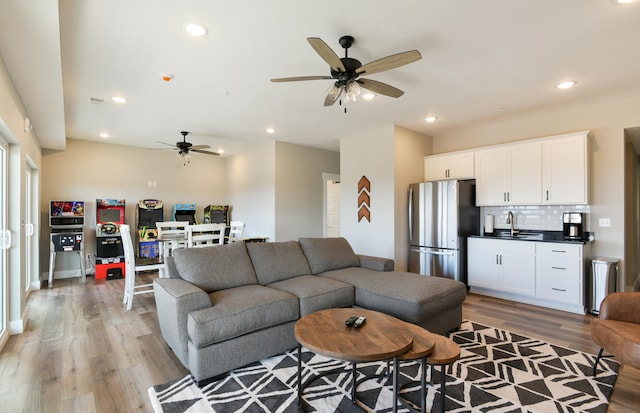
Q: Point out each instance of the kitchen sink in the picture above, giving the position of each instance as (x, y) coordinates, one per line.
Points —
(521, 235)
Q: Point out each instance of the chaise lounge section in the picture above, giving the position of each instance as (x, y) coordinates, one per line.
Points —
(227, 306)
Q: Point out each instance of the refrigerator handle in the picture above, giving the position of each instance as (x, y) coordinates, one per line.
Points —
(432, 252)
(410, 214)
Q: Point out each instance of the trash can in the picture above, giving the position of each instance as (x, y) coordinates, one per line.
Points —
(603, 279)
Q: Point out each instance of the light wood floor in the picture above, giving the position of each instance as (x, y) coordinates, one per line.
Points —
(82, 352)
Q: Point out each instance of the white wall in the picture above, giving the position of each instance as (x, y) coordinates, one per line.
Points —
(607, 121)
(299, 188)
(372, 155)
(251, 189)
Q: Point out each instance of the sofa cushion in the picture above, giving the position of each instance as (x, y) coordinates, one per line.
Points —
(408, 296)
(276, 261)
(317, 293)
(215, 268)
(238, 311)
(326, 254)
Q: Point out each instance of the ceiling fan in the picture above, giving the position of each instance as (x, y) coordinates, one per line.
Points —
(346, 71)
(184, 148)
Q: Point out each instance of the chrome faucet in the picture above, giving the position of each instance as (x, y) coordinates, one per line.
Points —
(510, 221)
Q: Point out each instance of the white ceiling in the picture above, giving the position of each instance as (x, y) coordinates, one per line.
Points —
(483, 61)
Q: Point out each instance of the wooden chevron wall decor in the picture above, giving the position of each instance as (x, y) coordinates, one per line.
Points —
(364, 199)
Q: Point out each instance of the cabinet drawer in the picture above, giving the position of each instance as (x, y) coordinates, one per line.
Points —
(559, 249)
(560, 290)
(500, 245)
(560, 281)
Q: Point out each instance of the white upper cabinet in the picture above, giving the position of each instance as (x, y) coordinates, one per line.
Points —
(509, 175)
(456, 165)
(543, 171)
(565, 170)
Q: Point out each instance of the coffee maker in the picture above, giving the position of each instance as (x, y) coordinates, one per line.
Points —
(573, 225)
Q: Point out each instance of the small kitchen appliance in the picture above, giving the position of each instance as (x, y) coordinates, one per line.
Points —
(573, 225)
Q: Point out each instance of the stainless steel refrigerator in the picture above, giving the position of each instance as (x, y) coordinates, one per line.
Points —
(441, 216)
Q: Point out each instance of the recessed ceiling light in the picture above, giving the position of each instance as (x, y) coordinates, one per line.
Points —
(119, 99)
(271, 130)
(368, 96)
(431, 119)
(195, 29)
(104, 135)
(566, 85)
(623, 1)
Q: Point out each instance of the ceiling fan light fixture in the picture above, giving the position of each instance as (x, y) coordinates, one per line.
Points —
(368, 96)
(352, 90)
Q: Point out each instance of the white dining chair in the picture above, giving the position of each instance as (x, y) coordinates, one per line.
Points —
(203, 235)
(172, 235)
(132, 267)
(236, 228)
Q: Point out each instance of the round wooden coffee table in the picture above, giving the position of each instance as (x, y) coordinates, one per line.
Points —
(381, 337)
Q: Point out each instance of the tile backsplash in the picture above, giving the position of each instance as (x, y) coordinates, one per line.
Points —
(534, 217)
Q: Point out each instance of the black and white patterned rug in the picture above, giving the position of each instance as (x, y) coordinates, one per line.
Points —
(498, 371)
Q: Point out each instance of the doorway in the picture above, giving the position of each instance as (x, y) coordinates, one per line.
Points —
(331, 219)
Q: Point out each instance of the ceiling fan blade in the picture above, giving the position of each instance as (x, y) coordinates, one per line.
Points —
(381, 88)
(164, 143)
(389, 62)
(193, 147)
(204, 152)
(326, 53)
(299, 78)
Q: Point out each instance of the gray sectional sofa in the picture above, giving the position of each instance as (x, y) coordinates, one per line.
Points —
(227, 306)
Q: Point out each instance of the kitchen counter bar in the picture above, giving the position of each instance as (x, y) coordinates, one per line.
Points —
(532, 235)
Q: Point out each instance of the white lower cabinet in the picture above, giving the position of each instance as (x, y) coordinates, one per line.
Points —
(541, 273)
(507, 266)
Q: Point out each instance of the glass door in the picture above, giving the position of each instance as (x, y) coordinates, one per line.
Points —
(28, 228)
(5, 236)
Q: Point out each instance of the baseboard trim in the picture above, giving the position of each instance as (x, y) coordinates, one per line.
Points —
(18, 326)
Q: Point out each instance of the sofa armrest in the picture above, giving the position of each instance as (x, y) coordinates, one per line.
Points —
(175, 299)
(171, 270)
(621, 306)
(376, 263)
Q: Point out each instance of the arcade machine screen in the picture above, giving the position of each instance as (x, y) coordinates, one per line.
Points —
(185, 212)
(66, 214)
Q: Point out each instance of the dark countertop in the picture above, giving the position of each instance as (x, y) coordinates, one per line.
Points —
(533, 235)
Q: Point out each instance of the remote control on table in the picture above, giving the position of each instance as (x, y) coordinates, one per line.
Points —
(351, 320)
(360, 321)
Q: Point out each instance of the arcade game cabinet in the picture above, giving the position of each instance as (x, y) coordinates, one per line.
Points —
(110, 262)
(148, 212)
(218, 214)
(184, 212)
(66, 219)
